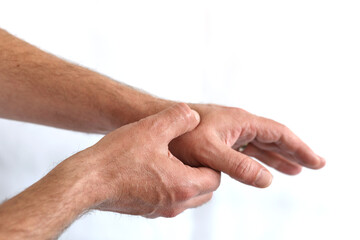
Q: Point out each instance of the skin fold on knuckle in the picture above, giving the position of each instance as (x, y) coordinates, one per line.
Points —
(184, 192)
(244, 171)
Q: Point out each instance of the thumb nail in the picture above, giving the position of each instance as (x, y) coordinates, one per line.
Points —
(263, 179)
(196, 115)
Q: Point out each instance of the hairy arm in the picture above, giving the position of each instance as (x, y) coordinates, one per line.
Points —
(114, 175)
(46, 208)
(41, 88)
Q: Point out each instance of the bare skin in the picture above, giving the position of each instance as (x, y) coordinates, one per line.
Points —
(130, 170)
(41, 88)
(223, 130)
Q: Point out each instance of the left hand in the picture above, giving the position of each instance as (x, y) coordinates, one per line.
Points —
(223, 130)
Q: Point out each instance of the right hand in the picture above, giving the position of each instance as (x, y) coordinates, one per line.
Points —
(136, 173)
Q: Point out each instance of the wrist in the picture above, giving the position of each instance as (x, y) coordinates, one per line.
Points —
(81, 180)
(134, 108)
(58, 199)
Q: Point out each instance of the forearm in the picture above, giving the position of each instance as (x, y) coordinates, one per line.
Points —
(117, 174)
(38, 87)
(49, 206)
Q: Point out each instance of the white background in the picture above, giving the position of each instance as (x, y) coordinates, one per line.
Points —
(297, 62)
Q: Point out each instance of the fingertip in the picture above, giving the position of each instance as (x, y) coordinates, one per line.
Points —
(322, 162)
(177, 120)
(191, 117)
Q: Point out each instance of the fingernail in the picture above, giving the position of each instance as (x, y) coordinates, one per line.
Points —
(263, 179)
(322, 161)
(196, 115)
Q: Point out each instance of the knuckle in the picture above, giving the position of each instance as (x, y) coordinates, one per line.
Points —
(243, 170)
(183, 193)
(284, 128)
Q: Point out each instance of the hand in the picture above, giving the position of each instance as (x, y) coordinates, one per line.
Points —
(130, 170)
(137, 174)
(223, 130)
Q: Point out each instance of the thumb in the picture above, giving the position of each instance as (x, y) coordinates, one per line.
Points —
(174, 121)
